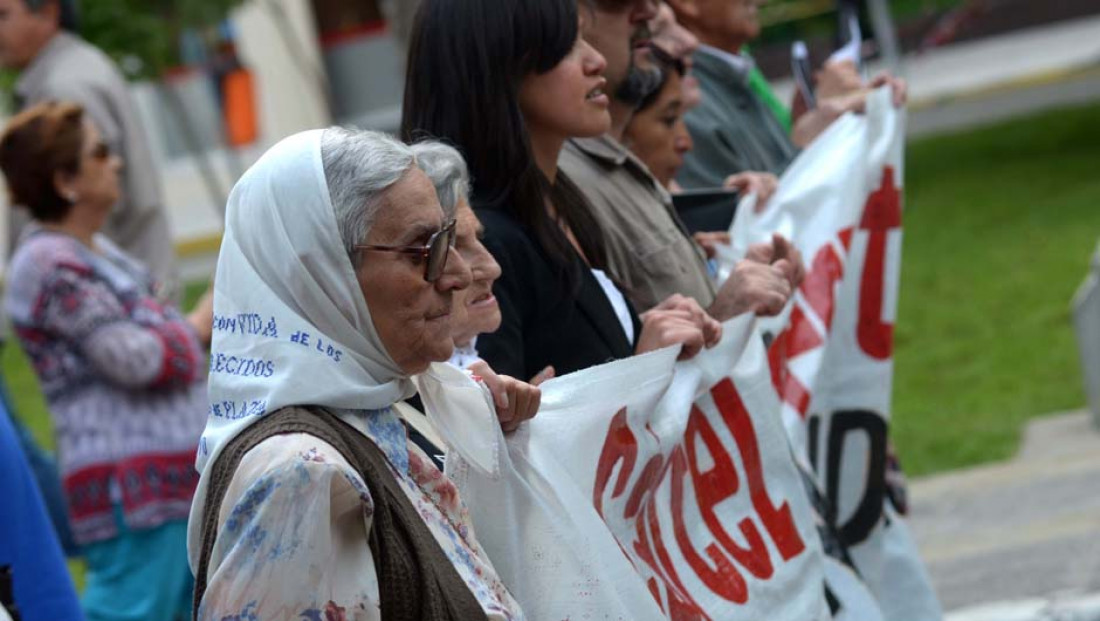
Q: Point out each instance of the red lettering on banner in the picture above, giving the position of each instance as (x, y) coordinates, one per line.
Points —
(672, 578)
(714, 486)
(719, 562)
(650, 479)
(723, 579)
(819, 287)
(777, 520)
(620, 447)
(801, 336)
(881, 214)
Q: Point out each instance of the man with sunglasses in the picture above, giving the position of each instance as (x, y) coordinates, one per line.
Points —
(56, 64)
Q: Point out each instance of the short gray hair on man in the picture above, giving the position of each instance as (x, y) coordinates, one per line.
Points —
(445, 167)
(359, 167)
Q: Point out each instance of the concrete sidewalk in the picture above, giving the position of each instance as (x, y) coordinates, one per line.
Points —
(993, 79)
(1018, 540)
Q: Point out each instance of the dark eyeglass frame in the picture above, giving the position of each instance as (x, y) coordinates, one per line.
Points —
(101, 151)
(435, 253)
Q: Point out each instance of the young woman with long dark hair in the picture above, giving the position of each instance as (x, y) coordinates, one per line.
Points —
(508, 83)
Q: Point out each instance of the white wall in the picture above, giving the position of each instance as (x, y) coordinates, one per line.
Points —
(290, 99)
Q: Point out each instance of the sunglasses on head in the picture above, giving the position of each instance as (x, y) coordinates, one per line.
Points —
(434, 253)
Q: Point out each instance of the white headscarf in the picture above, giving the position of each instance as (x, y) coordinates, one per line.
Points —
(291, 326)
(290, 323)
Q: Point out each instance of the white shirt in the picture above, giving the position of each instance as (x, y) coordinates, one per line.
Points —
(618, 302)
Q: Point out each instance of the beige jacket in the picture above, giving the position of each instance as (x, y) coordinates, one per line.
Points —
(649, 251)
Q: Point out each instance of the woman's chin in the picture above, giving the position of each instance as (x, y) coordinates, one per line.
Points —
(486, 319)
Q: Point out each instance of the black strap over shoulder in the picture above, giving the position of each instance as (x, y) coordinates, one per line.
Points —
(416, 580)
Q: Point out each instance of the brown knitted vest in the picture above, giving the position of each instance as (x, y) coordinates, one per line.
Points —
(416, 581)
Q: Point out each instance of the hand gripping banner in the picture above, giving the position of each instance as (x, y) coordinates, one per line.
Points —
(840, 202)
(648, 489)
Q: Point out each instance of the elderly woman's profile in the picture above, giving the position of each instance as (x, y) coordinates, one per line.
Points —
(334, 286)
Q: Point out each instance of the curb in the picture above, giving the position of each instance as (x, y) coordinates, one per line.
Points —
(1035, 80)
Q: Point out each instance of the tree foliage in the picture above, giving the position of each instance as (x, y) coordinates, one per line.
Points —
(144, 35)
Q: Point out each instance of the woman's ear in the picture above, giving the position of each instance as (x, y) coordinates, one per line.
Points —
(63, 185)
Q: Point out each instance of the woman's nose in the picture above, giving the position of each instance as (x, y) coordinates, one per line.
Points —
(456, 275)
(683, 142)
(594, 62)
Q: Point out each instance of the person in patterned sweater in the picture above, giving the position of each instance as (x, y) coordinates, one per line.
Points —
(122, 372)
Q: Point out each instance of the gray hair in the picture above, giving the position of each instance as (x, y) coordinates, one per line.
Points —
(359, 167)
(445, 167)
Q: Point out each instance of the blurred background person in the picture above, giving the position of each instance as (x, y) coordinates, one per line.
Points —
(508, 84)
(56, 64)
(43, 589)
(734, 128)
(656, 132)
(123, 374)
(658, 136)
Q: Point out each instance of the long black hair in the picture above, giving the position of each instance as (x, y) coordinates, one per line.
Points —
(467, 59)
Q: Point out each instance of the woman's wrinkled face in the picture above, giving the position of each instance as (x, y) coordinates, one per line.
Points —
(476, 309)
(412, 316)
(658, 135)
(570, 99)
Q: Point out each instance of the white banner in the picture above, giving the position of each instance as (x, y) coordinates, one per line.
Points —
(647, 489)
(840, 202)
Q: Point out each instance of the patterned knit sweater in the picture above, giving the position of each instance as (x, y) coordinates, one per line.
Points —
(123, 376)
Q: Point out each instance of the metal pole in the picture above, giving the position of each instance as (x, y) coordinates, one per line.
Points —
(1086, 315)
(882, 22)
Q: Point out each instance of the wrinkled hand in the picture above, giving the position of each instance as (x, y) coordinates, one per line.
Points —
(544, 375)
(760, 183)
(753, 286)
(830, 108)
(678, 320)
(811, 124)
(837, 78)
(782, 254)
(515, 400)
(899, 88)
(709, 241)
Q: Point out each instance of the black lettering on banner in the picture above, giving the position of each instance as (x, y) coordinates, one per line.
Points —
(857, 528)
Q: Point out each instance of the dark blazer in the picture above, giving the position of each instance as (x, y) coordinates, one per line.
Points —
(543, 323)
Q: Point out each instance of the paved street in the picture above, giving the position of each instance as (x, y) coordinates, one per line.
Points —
(1018, 540)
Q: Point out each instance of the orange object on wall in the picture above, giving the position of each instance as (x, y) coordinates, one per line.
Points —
(241, 116)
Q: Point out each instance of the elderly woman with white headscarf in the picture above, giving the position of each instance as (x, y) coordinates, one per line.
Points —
(334, 287)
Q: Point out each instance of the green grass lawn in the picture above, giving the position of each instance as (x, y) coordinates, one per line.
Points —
(1000, 226)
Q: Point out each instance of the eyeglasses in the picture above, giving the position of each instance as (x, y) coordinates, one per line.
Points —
(101, 151)
(435, 252)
